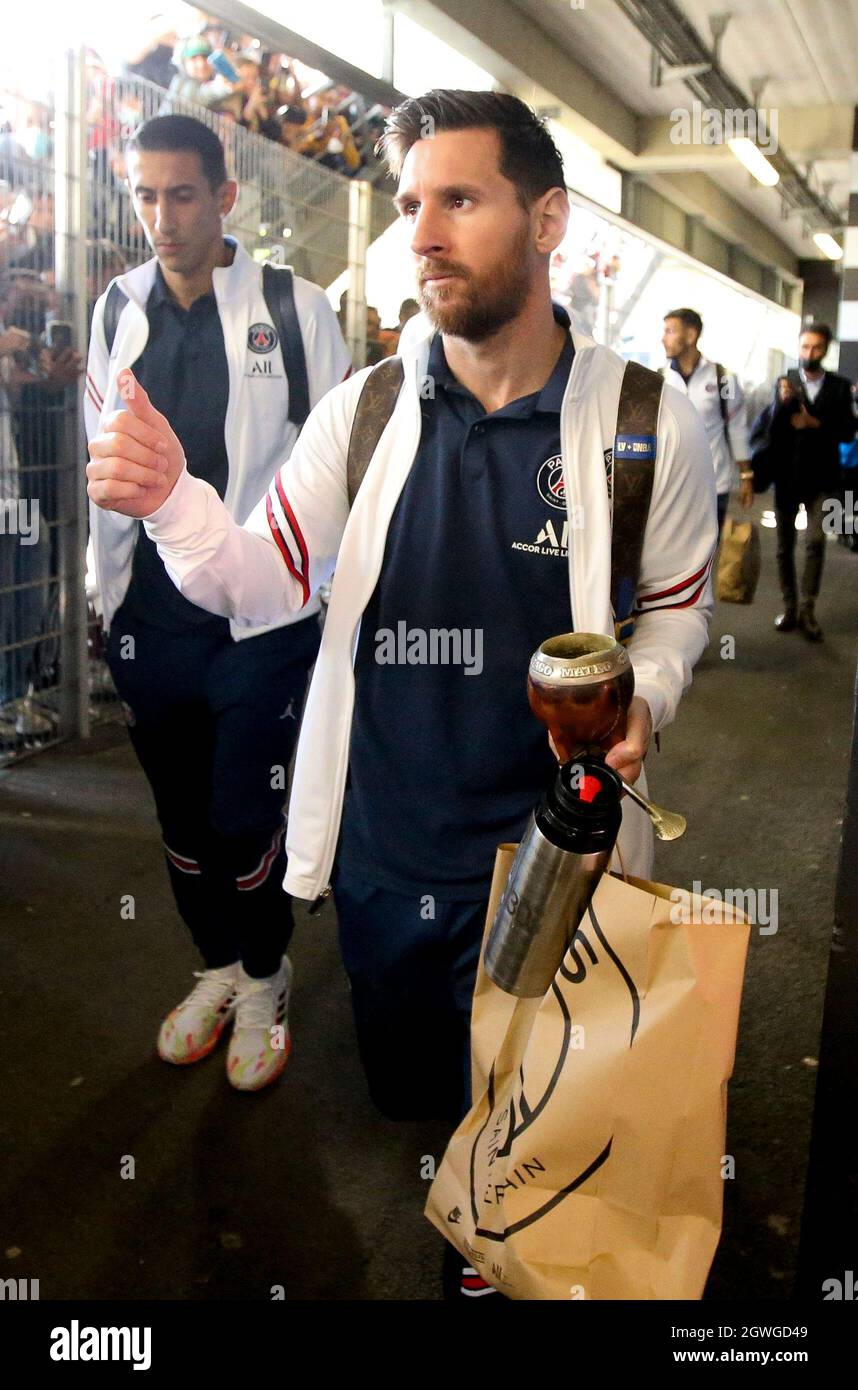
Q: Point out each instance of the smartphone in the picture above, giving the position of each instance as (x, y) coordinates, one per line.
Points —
(221, 64)
(58, 336)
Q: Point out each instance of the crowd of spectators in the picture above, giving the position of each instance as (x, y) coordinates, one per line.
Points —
(267, 93)
(380, 342)
(38, 366)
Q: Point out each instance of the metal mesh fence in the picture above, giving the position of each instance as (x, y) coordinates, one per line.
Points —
(39, 462)
(53, 266)
(289, 208)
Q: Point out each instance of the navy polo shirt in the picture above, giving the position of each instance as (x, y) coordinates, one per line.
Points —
(446, 758)
(183, 367)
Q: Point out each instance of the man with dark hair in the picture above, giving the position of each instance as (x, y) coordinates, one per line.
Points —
(811, 416)
(407, 309)
(212, 708)
(690, 319)
(719, 400)
(527, 156)
(467, 524)
(178, 134)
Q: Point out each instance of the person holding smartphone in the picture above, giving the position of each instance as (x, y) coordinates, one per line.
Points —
(38, 364)
(259, 103)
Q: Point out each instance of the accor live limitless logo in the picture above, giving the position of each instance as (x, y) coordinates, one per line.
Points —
(76, 1343)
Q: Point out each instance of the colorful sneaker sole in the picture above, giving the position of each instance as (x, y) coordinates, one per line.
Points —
(198, 1053)
(252, 1083)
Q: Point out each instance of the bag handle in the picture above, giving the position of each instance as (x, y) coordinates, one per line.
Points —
(623, 870)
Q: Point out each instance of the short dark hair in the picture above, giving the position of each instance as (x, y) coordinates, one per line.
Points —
(689, 317)
(177, 133)
(821, 329)
(529, 157)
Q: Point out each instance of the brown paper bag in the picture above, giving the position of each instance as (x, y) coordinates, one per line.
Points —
(739, 561)
(590, 1165)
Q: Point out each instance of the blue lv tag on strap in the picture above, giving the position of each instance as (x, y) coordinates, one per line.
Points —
(639, 446)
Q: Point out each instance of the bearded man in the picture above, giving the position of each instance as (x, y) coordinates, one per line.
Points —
(482, 526)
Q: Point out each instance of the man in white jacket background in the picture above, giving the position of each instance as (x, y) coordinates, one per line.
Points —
(212, 709)
(718, 396)
(485, 511)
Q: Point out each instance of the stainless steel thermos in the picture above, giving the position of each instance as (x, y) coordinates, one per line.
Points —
(553, 877)
(580, 685)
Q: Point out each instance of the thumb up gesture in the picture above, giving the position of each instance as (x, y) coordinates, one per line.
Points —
(136, 460)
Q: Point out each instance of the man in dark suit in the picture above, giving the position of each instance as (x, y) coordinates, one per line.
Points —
(811, 417)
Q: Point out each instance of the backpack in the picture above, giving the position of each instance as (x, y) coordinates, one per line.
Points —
(631, 467)
(278, 290)
(721, 377)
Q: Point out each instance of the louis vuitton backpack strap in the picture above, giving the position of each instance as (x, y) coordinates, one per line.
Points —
(635, 446)
(374, 408)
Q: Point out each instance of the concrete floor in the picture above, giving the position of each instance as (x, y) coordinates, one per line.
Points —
(304, 1185)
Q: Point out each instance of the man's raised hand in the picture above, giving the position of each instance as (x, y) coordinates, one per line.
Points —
(136, 460)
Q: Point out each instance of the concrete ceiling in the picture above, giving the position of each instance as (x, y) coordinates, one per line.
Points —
(808, 51)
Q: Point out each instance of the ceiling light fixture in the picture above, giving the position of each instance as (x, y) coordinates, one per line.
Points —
(754, 161)
(828, 246)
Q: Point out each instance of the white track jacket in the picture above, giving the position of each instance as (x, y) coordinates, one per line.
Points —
(269, 569)
(257, 430)
(702, 389)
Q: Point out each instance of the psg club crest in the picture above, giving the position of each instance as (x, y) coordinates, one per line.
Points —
(261, 337)
(549, 483)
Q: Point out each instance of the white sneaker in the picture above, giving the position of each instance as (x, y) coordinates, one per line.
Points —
(192, 1029)
(30, 721)
(260, 1043)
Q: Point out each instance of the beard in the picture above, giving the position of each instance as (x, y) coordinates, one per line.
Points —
(477, 306)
